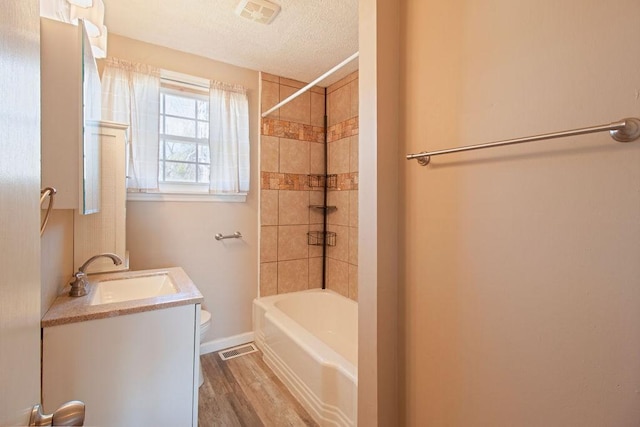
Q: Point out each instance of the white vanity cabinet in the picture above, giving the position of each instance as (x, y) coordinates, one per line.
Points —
(137, 369)
(105, 231)
(70, 97)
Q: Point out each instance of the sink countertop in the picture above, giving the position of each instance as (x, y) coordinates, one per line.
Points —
(66, 309)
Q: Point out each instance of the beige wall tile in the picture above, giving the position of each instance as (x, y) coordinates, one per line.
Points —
(269, 153)
(295, 84)
(315, 272)
(339, 199)
(299, 109)
(339, 105)
(342, 82)
(335, 86)
(338, 276)
(292, 242)
(341, 250)
(268, 207)
(339, 152)
(268, 244)
(353, 154)
(268, 278)
(293, 207)
(353, 208)
(353, 86)
(270, 97)
(353, 246)
(293, 275)
(314, 250)
(316, 216)
(316, 158)
(317, 109)
(353, 282)
(294, 156)
(270, 77)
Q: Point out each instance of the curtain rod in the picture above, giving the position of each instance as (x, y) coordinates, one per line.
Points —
(625, 130)
(310, 85)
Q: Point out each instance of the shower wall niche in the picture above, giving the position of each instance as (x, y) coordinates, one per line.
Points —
(291, 159)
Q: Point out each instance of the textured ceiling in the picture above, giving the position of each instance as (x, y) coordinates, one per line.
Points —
(305, 40)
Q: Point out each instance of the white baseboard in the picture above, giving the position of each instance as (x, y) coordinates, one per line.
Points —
(222, 343)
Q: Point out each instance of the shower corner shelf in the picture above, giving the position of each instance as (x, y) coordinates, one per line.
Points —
(325, 208)
(318, 238)
(318, 180)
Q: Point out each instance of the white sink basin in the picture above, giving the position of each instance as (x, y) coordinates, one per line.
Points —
(132, 288)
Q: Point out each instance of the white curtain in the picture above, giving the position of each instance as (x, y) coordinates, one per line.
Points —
(131, 94)
(229, 138)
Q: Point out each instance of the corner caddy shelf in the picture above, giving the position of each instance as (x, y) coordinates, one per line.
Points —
(324, 208)
(318, 181)
(318, 238)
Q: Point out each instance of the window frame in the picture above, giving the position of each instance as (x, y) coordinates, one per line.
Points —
(179, 83)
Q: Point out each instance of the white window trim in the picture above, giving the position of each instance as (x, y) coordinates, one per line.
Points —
(185, 197)
(185, 80)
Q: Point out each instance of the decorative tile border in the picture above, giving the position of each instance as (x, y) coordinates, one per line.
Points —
(283, 181)
(292, 130)
(347, 181)
(300, 182)
(302, 132)
(343, 129)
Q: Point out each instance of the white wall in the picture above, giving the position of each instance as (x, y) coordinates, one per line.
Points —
(161, 234)
(522, 263)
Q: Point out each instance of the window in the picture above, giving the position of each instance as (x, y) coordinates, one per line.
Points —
(184, 138)
(174, 153)
(184, 160)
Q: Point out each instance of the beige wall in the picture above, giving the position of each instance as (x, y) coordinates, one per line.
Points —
(378, 250)
(56, 262)
(522, 263)
(161, 234)
(292, 173)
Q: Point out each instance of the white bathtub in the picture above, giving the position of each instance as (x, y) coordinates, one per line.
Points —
(310, 340)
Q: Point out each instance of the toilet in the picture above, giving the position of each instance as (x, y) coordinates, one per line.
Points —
(205, 324)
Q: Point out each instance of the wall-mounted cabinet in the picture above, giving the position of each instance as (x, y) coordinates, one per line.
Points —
(70, 99)
(105, 231)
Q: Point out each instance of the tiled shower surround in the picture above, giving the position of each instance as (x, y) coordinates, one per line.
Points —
(292, 148)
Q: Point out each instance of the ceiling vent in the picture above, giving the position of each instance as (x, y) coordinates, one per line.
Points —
(261, 11)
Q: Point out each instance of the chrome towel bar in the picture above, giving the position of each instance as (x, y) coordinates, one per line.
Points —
(236, 235)
(625, 130)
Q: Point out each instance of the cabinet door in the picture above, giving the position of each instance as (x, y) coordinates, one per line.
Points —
(132, 370)
(70, 88)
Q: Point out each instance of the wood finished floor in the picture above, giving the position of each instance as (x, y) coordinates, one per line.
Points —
(245, 392)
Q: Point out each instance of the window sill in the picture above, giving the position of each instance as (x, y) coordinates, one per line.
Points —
(186, 197)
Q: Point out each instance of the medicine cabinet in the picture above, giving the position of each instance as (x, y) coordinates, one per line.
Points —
(70, 101)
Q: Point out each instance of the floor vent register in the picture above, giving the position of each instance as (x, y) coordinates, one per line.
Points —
(241, 350)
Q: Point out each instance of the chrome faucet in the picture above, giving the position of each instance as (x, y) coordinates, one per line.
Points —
(80, 281)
